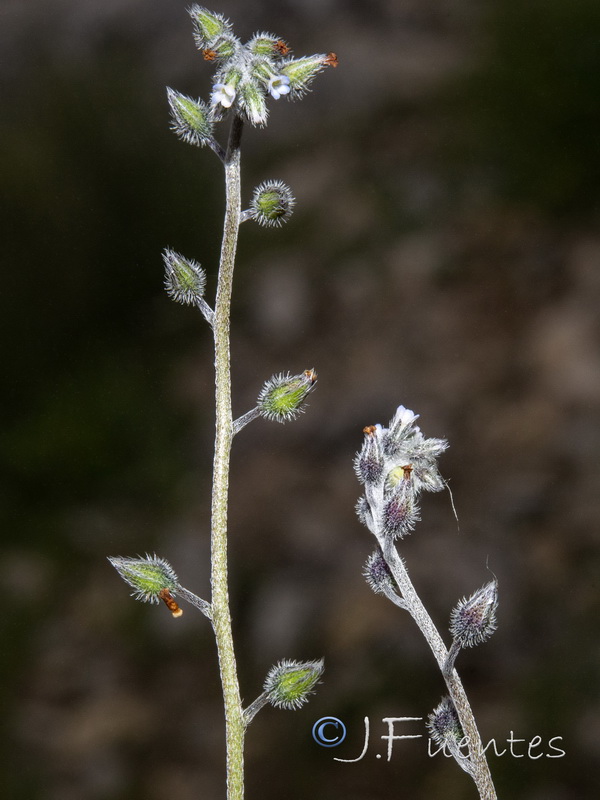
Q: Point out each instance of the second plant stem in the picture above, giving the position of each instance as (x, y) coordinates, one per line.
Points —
(480, 771)
(221, 615)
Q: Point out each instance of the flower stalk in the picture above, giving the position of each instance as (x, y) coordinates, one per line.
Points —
(221, 615)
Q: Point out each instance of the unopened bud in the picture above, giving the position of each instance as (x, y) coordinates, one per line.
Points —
(272, 203)
(363, 512)
(474, 619)
(208, 26)
(400, 512)
(150, 577)
(265, 44)
(289, 683)
(185, 279)
(301, 71)
(191, 119)
(282, 397)
(443, 724)
(368, 464)
(378, 575)
(252, 102)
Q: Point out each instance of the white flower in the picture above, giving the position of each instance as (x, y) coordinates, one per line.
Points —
(403, 418)
(223, 93)
(278, 85)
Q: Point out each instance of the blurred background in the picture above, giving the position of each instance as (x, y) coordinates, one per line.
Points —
(444, 254)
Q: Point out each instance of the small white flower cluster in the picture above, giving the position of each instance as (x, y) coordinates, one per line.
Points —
(247, 73)
(395, 464)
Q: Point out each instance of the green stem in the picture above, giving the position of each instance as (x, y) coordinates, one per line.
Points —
(221, 615)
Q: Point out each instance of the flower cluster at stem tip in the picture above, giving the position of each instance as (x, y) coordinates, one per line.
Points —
(395, 464)
(246, 75)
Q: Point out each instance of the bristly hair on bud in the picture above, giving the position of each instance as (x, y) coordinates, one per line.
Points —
(378, 575)
(272, 203)
(191, 119)
(266, 44)
(208, 27)
(185, 279)
(290, 683)
(473, 620)
(369, 462)
(364, 513)
(282, 396)
(301, 71)
(252, 102)
(443, 724)
(400, 512)
(149, 577)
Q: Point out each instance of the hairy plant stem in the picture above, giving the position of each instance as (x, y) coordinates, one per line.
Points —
(478, 767)
(221, 615)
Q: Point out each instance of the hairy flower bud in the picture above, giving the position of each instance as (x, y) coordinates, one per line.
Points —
(282, 397)
(208, 26)
(368, 464)
(252, 102)
(150, 577)
(363, 512)
(378, 575)
(400, 512)
(289, 683)
(272, 203)
(184, 278)
(302, 71)
(191, 119)
(265, 44)
(473, 621)
(443, 724)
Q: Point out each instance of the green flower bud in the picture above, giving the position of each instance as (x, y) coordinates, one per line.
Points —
(152, 578)
(252, 102)
(184, 278)
(190, 119)
(208, 26)
(265, 44)
(282, 397)
(289, 683)
(222, 48)
(301, 71)
(272, 203)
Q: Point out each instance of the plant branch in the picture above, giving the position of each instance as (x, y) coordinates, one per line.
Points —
(480, 771)
(254, 707)
(242, 421)
(195, 601)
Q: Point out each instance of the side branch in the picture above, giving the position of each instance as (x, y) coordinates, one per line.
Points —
(480, 770)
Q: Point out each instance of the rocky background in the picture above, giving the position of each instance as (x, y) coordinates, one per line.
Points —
(444, 254)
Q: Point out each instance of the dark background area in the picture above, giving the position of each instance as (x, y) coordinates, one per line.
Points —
(444, 254)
